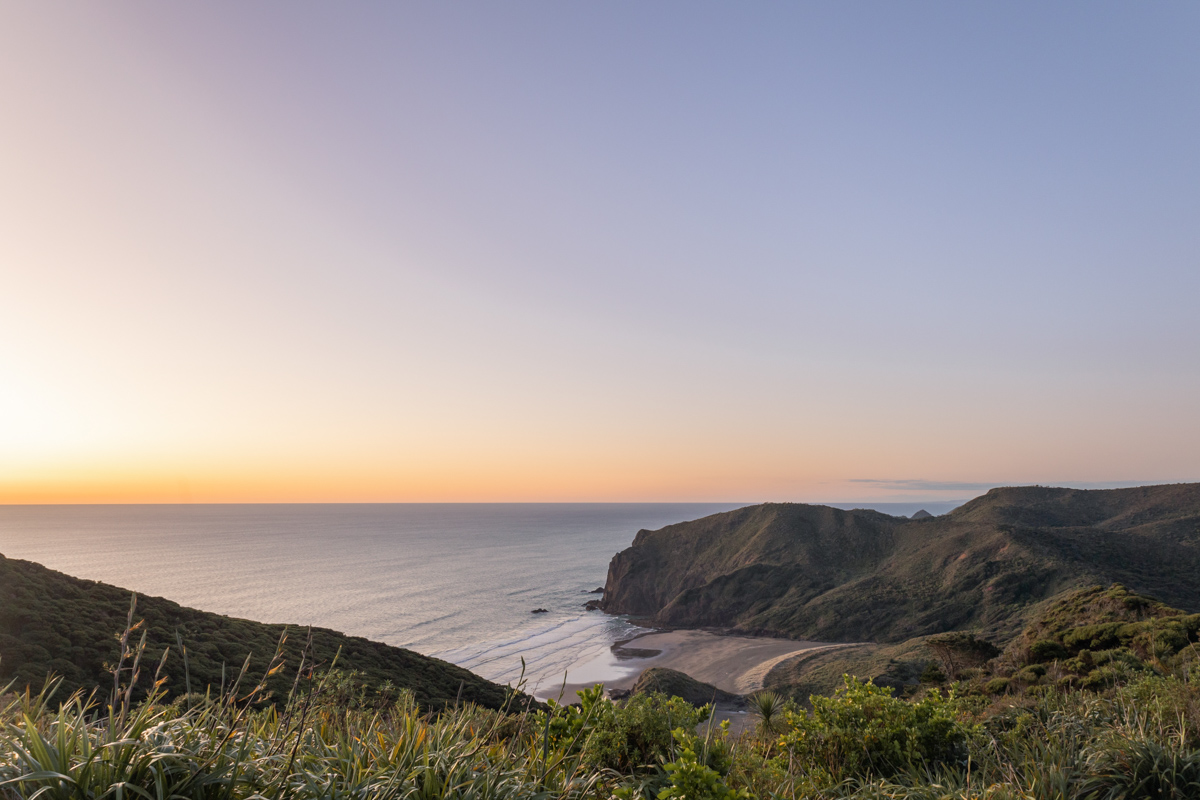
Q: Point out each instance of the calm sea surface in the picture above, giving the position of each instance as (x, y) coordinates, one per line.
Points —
(457, 581)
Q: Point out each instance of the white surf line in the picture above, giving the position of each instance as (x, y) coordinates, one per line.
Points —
(752, 679)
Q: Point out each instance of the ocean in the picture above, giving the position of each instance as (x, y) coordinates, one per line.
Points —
(456, 581)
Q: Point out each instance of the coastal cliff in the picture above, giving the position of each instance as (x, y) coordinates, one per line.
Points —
(716, 570)
(820, 573)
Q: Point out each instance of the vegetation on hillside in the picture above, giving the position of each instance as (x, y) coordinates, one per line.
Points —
(1098, 699)
(898, 667)
(1136, 740)
(814, 572)
(51, 622)
(1091, 638)
(1094, 638)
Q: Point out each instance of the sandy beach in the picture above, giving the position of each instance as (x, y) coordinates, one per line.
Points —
(735, 664)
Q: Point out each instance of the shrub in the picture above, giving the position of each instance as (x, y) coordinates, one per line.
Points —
(691, 779)
(1100, 678)
(997, 686)
(1031, 674)
(626, 738)
(864, 730)
(1047, 650)
(932, 673)
(960, 650)
(1083, 662)
(1094, 637)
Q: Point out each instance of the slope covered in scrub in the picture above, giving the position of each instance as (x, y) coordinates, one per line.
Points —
(51, 622)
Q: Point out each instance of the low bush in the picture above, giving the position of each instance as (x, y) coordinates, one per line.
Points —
(863, 730)
(629, 737)
(692, 778)
(1031, 674)
(1046, 650)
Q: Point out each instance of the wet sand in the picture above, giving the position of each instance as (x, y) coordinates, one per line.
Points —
(736, 664)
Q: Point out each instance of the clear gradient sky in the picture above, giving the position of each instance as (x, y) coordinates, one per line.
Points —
(302, 251)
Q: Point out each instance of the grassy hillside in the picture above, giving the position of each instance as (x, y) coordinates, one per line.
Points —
(1093, 638)
(814, 572)
(896, 666)
(53, 622)
(674, 683)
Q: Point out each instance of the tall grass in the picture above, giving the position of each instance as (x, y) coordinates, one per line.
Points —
(320, 743)
(219, 748)
(328, 739)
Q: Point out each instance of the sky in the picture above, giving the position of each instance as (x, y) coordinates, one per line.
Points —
(535, 251)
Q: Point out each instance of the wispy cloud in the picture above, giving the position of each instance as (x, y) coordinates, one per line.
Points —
(922, 485)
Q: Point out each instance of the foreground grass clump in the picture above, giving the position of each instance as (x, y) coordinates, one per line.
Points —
(1136, 741)
(318, 747)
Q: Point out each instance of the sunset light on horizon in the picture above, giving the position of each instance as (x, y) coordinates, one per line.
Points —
(534, 252)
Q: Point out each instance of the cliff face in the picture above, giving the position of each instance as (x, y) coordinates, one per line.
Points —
(713, 570)
(821, 573)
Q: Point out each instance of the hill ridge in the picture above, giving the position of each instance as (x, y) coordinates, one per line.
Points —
(817, 572)
(50, 621)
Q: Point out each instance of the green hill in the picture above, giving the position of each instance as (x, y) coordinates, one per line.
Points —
(821, 671)
(1091, 638)
(820, 573)
(674, 683)
(53, 622)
